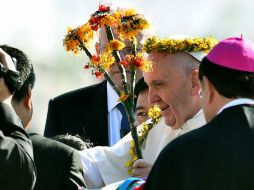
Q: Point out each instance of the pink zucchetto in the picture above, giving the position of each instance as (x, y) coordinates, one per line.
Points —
(234, 53)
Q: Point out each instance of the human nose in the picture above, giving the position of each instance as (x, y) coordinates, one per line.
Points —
(153, 96)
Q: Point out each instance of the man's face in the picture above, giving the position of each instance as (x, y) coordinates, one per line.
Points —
(169, 87)
(142, 107)
(114, 72)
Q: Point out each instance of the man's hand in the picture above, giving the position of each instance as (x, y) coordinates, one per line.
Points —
(6, 61)
(141, 168)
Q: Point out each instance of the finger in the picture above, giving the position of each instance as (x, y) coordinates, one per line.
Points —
(140, 163)
(138, 172)
(6, 60)
(142, 173)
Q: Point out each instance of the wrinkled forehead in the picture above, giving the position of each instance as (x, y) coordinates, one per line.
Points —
(163, 55)
(165, 64)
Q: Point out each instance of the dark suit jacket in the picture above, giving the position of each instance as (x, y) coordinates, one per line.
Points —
(217, 156)
(17, 169)
(83, 111)
(58, 165)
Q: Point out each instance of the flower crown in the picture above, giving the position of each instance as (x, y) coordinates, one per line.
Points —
(175, 45)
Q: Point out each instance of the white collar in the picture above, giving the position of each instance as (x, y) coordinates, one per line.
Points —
(112, 97)
(236, 102)
(197, 121)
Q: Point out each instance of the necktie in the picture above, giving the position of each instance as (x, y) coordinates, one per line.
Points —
(125, 126)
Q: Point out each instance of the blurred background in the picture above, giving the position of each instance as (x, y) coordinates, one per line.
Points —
(37, 27)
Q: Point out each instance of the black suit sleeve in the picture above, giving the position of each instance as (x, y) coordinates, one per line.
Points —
(51, 122)
(16, 155)
(74, 177)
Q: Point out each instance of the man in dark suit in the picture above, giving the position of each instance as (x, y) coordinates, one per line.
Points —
(90, 112)
(75, 112)
(58, 165)
(16, 154)
(220, 154)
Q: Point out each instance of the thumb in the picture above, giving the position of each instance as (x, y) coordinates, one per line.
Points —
(140, 163)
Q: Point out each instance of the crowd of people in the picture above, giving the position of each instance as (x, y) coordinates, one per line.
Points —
(204, 140)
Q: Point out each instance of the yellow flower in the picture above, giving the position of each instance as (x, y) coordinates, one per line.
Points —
(74, 37)
(123, 97)
(154, 112)
(132, 152)
(85, 33)
(129, 12)
(107, 60)
(108, 20)
(132, 143)
(117, 14)
(128, 164)
(131, 23)
(115, 45)
(135, 157)
(174, 45)
(72, 45)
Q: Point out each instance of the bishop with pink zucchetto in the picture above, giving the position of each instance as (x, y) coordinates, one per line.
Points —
(220, 154)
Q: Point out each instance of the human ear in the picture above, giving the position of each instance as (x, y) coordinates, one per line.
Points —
(195, 84)
(28, 99)
(208, 92)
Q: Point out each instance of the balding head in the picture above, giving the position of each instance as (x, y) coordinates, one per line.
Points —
(173, 85)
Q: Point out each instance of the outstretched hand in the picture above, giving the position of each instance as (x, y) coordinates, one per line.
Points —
(141, 168)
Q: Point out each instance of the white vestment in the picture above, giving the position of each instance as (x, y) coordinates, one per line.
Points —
(105, 165)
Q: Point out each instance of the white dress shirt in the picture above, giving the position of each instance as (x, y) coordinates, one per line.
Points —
(114, 116)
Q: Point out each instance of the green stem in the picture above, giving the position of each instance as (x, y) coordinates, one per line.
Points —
(118, 60)
(132, 76)
(134, 135)
(129, 103)
(85, 49)
(107, 77)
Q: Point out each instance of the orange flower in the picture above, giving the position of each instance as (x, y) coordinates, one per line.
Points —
(86, 67)
(95, 59)
(124, 63)
(129, 58)
(85, 33)
(94, 23)
(72, 45)
(104, 8)
(123, 97)
(98, 74)
(115, 45)
(108, 20)
(138, 62)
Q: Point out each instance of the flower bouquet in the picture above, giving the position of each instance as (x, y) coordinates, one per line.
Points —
(127, 24)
